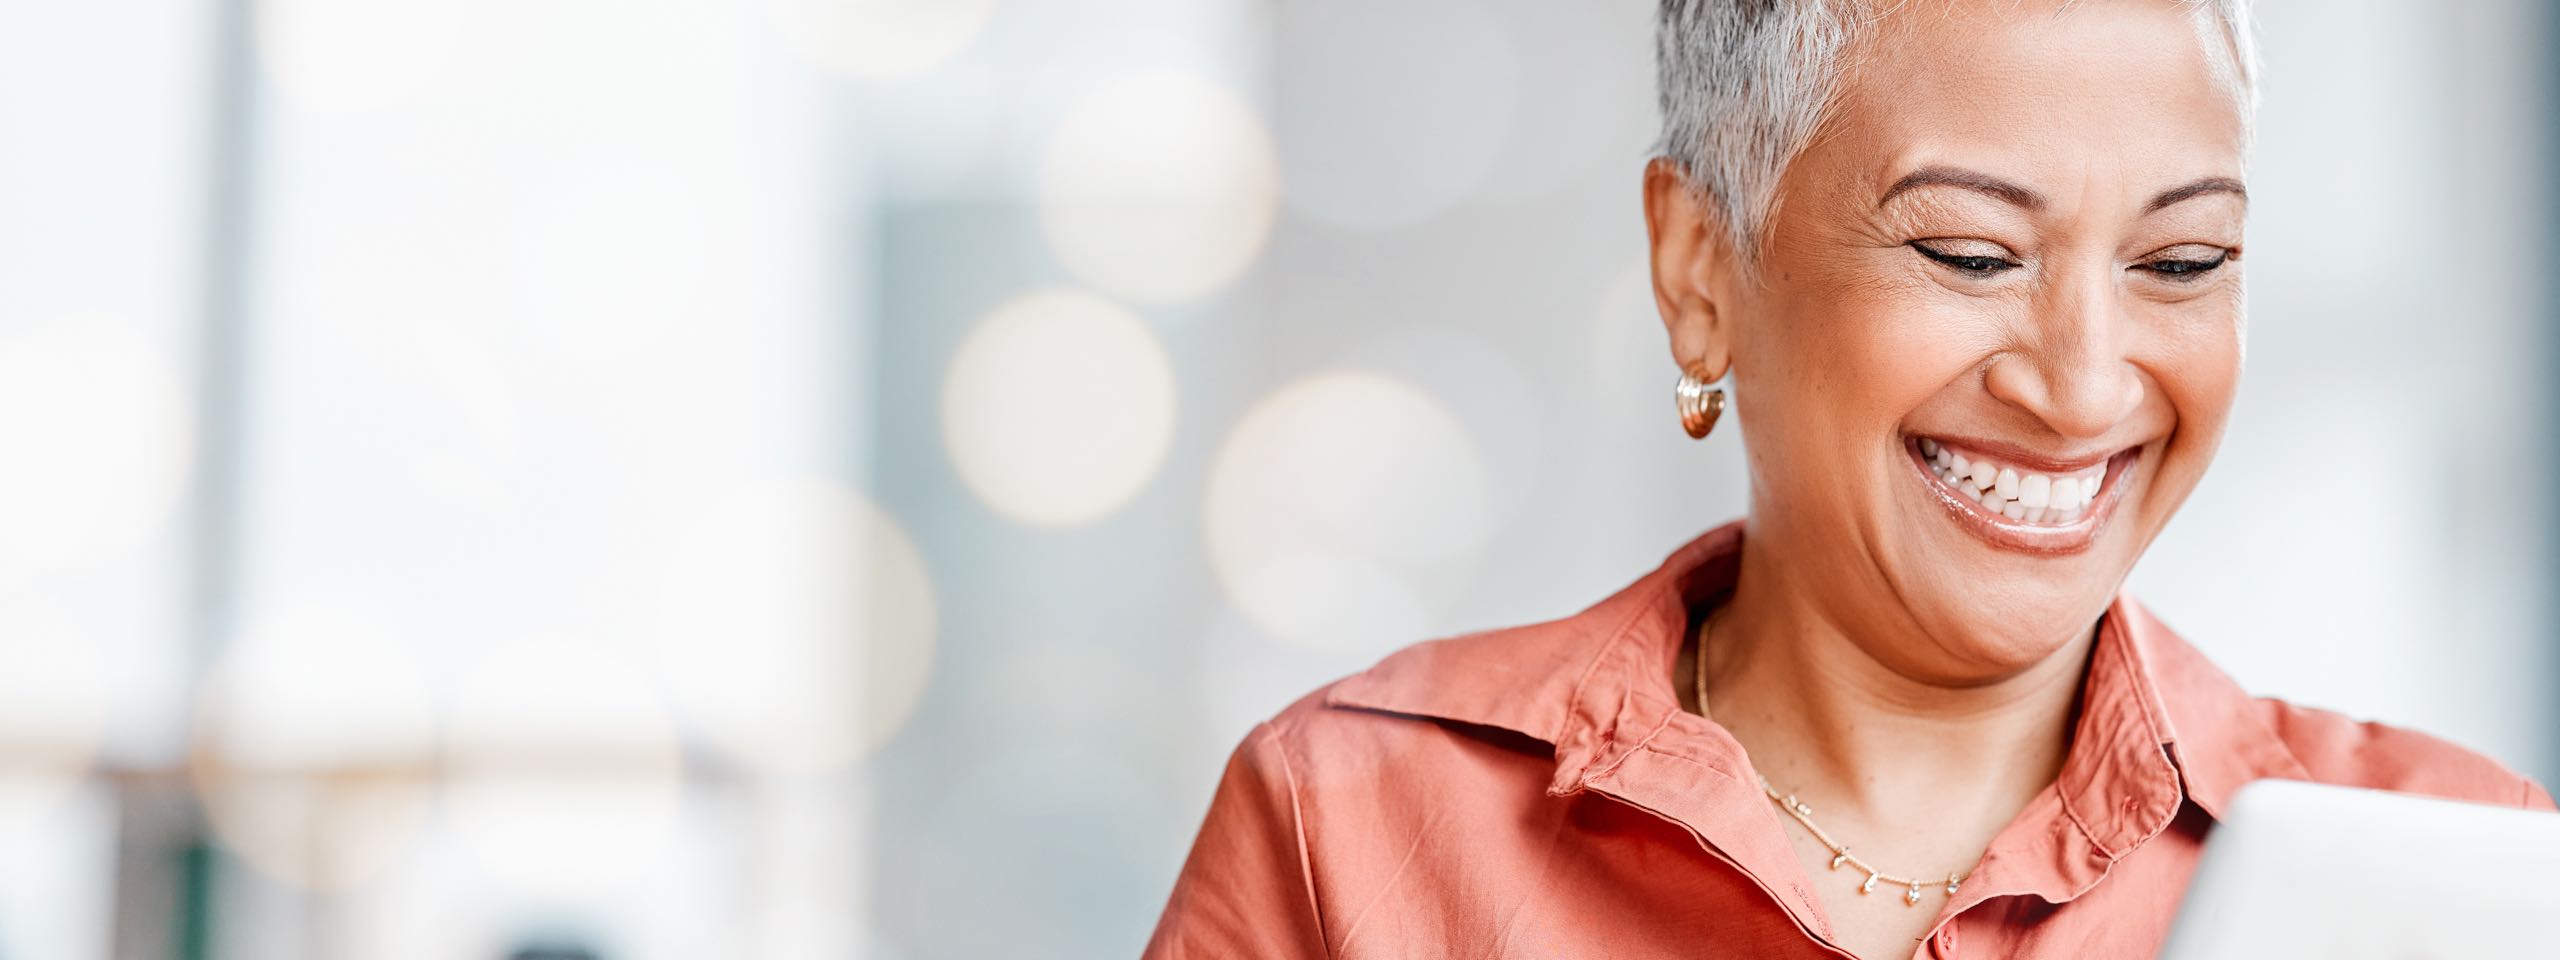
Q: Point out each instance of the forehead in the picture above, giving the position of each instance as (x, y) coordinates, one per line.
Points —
(2085, 88)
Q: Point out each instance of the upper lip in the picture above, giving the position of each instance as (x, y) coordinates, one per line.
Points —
(2013, 455)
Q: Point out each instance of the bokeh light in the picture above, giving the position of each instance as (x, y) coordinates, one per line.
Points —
(1504, 415)
(702, 478)
(1058, 408)
(1370, 138)
(1340, 505)
(94, 443)
(561, 768)
(799, 625)
(879, 39)
(315, 749)
(1159, 187)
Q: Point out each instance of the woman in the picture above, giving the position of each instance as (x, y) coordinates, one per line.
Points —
(1975, 271)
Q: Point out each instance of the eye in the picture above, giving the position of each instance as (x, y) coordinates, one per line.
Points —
(2186, 264)
(1974, 258)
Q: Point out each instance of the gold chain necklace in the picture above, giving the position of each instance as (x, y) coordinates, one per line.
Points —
(1840, 852)
(1803, 814)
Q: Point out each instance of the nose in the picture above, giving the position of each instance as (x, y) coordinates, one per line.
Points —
(2071, 368)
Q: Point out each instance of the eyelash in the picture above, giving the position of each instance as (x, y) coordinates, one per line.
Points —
(2174, 271)
(1971, 266)
(2186, 271)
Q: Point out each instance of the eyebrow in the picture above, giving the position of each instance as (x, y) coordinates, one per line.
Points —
(2197, 189)
(2022, 197)
(1967, 179)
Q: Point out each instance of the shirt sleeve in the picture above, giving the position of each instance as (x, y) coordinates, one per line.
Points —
(1245, 891)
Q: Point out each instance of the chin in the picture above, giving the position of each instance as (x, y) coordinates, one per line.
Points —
(1986, 621)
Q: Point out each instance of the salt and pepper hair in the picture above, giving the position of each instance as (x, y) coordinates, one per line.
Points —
(1744, 84)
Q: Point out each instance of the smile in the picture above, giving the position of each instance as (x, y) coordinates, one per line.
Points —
(2021, 502)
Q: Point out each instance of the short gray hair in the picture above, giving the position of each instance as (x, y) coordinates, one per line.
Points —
(1744, 84)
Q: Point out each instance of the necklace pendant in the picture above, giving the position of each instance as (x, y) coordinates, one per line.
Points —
(1951, 885)
(1911, 897)
(1839, 857)
(1869, 886)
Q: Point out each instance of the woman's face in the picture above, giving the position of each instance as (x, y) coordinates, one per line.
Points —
(2015, 247)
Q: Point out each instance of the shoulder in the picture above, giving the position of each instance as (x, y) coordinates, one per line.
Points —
(1477, 711)
(1486, 684)
(1528, 688)
(2337, 749)
(2225, 737)
(1517, 680)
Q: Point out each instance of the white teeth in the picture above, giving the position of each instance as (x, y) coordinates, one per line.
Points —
(2066, 493)
(2020, 497)
(2035, 491)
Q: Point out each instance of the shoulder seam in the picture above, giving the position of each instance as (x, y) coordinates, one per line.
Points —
(1298, 832)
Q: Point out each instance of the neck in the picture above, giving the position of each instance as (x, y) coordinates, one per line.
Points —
(1819, 710)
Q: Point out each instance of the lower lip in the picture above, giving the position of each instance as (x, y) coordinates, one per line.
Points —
(2007, 534)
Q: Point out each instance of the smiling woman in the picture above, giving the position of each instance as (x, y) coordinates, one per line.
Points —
(1973, 273)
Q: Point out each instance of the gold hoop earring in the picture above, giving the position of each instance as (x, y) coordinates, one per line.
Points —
(1700, 404)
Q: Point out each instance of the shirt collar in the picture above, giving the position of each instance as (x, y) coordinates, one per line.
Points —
(2158, 725)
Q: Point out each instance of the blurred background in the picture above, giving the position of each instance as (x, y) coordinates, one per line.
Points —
(833, 478)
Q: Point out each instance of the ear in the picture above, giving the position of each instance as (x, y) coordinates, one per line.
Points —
(1692, 269)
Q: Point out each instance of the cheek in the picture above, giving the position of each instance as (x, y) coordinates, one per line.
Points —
(2197, 368)
(1857, 356)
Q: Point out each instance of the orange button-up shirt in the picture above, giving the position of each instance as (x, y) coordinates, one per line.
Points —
(1540, 792)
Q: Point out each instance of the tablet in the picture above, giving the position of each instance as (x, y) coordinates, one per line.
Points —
(2304, 870)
